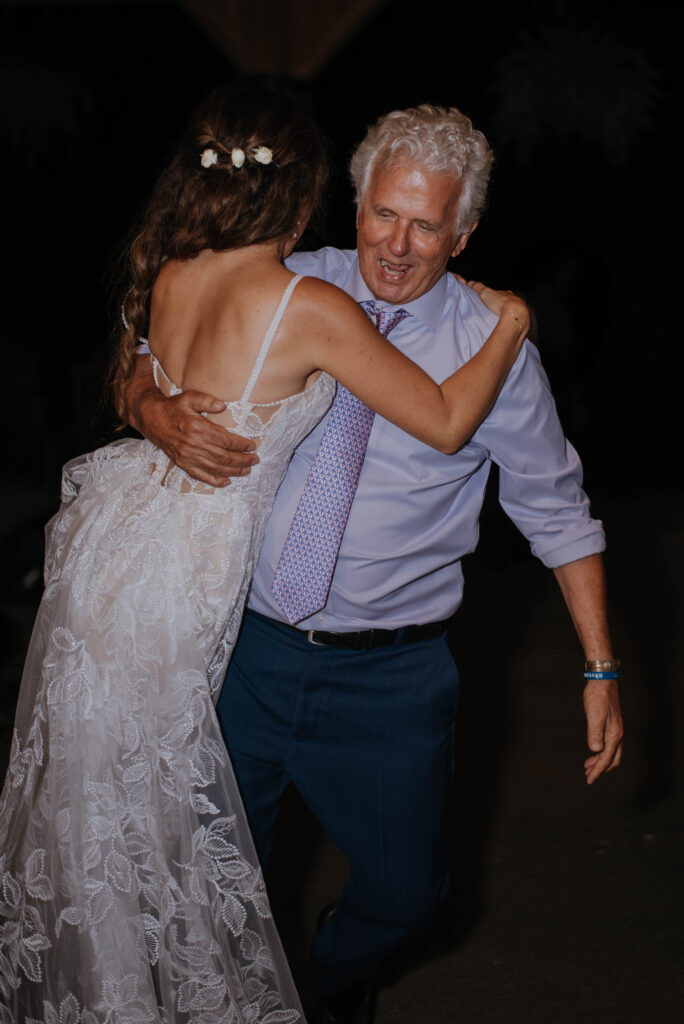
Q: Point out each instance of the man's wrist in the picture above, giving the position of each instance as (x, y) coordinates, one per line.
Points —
(605, 665)
(140, 390)
(605, 668)
(141, 406)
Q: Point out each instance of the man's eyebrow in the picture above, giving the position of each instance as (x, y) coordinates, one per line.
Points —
(418, 220)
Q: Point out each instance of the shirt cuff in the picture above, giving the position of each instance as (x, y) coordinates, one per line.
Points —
(580, 547)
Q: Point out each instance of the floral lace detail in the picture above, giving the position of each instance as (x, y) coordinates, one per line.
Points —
(130, 890)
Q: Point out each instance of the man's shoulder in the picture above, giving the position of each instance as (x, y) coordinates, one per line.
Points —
(473, 322)
(329, 263)
(467, 304)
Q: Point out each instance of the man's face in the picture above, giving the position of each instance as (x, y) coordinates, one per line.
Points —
(405, 230)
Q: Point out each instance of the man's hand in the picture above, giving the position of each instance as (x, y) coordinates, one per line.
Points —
(584, 588)
(604, 727)
(203, 449)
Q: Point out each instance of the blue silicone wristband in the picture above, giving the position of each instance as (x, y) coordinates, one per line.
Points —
(601, 675)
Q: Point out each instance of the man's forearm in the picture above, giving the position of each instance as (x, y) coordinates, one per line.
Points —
(583, 585)
(140, 386)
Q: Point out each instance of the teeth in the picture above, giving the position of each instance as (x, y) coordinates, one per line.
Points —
(385, 266)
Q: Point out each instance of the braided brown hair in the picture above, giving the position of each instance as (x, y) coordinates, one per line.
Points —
(222, 206)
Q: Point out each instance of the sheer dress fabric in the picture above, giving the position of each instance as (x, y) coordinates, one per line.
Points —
(129, 887)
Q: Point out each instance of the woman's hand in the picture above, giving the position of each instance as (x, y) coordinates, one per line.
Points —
(503, 303)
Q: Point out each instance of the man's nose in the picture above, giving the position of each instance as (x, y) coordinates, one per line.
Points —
(399, 243)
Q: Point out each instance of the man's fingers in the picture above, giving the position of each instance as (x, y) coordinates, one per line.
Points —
(196, 463)
(211, 446)
(216, 463)
(608, 758)
(203, 449)
(203, 431)
(199, 401)
(604, 727)
(210, 478)
(214, 458)
(601, 764)
(240, 444)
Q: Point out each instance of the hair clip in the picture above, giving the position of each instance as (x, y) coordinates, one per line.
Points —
(209, 158)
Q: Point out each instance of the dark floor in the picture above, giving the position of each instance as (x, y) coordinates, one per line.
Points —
(568, 900)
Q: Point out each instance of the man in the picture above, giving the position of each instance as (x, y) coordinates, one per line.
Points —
(355, 703)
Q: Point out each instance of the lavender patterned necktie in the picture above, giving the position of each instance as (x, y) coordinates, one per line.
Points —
(305, 570)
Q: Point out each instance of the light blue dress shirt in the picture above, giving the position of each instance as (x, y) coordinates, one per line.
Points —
(415, 513)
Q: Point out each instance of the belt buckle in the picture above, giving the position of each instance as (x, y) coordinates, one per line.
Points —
(368, 640)
(310, 638)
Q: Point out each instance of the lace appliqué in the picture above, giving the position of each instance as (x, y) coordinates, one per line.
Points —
(129, 886)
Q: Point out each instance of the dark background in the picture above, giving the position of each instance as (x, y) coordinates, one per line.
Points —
(567, 902)
(580, 101)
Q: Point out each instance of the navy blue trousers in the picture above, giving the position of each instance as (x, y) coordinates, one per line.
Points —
(367, 739)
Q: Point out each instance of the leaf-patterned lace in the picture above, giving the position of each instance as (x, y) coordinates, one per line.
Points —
(129, 887)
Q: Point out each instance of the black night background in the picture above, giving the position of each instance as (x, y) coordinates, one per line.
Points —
(567, 903)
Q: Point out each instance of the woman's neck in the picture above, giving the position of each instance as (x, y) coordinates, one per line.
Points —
(268, 253)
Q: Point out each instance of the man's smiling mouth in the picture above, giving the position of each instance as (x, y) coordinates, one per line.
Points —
(394, 270)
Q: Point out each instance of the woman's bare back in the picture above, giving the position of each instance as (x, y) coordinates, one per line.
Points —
(209, 316)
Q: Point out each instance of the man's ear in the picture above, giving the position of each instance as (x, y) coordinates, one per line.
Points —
(462, 240)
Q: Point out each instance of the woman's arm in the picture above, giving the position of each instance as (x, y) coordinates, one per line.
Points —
(345, 344)
(339, 338)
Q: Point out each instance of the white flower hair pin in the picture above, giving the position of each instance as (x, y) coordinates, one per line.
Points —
(261, 154)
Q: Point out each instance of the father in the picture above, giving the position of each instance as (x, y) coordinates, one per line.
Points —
(356, 704)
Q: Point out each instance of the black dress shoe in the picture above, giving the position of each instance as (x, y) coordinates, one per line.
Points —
(354, 1005)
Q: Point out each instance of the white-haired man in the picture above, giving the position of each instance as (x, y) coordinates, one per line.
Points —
(355, 701)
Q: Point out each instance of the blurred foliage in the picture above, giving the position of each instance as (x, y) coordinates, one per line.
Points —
(573, 86)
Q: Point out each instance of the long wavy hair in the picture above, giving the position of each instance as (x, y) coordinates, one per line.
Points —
(208, 199)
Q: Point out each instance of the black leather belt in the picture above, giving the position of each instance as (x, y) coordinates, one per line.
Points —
(367, 639)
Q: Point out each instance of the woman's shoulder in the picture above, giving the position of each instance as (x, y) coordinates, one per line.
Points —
(325, 300)
(329, 263)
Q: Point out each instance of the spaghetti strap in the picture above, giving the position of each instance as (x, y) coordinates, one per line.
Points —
(270, 334)
(157, 368)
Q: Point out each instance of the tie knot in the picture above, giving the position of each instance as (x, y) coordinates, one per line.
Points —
(385, 319)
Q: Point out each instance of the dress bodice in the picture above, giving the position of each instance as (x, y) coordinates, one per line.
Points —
(278, 427)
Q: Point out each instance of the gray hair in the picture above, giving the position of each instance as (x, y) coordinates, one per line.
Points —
(436, 138)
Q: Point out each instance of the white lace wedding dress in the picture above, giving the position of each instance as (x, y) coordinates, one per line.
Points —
(130, 890)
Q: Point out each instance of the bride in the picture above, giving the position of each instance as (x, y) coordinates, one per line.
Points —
(130, 887)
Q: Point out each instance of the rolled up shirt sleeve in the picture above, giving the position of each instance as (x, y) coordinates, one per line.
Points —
(540, 473)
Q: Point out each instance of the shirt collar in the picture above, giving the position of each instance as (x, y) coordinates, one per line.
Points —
(427, 308)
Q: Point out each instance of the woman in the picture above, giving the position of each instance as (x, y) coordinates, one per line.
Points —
(130, 888)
